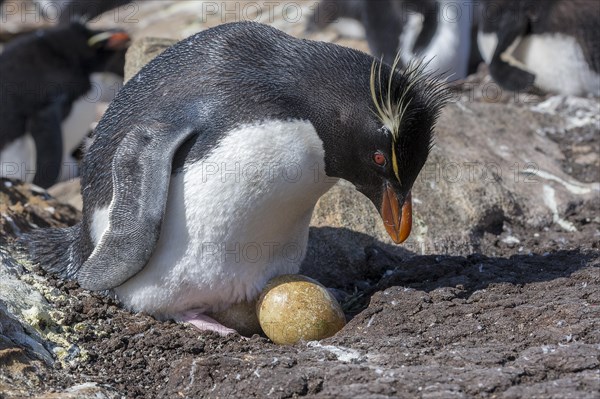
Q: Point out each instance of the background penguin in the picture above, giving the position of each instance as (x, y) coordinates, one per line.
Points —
(41, 75)
(73, 10)
(438, 31)
(163, 213)
(551, 44)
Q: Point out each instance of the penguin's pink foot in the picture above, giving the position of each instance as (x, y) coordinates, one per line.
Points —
(204, 323)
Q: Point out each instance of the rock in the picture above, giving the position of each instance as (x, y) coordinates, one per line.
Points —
(25, 206)
(23, 313)
(27, 320)
(23, 294)
(68, 192)
(22, 353)
(19, 375)
(31, 337)
(88, 390)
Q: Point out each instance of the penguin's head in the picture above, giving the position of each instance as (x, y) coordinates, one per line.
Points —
(108, 40)
(388, 145)
(109, 47)
(95, 50)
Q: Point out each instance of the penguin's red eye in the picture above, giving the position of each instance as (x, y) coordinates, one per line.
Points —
(379, 158)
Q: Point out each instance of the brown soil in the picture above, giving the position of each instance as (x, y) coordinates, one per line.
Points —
(512, 321)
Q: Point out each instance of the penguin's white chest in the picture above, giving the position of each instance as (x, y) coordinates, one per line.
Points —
(448, 51)
(18, 158)
(234, 220)
(558, 63)
(487, 43)
(557, 60)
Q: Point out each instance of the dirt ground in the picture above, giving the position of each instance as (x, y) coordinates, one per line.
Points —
(514, 321)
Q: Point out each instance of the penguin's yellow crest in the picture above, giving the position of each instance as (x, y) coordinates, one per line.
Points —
(391, 112)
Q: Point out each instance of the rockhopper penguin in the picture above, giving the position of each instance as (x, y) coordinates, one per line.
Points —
(201, 181)
(42, 74)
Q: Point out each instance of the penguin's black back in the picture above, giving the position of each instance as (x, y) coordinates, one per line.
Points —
(258, 71)
(75, 10)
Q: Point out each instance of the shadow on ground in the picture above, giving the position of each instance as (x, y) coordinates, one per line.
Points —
(382, 266)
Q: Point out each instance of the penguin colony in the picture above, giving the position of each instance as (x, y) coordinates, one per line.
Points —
(51, 83)
(551, 45)
(158, 225)
(437, 31)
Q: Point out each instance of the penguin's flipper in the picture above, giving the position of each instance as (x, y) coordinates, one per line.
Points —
(141, 171)
(46, 131)
(506, 70)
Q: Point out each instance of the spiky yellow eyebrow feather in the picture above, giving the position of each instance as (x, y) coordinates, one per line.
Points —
(388, 113)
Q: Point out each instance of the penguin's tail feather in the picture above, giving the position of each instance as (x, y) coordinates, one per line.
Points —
(53, 250)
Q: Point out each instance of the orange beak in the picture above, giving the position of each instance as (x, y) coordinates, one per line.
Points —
(118, 41)
(112, 40)
(397, 223)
